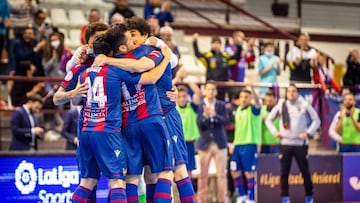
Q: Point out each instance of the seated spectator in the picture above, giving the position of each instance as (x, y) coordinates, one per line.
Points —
(322, 75)
(94, 16)
(21, 90)
(55, 56)
(269, 67)
(166, 33)
(70, 129)
(24, 125)
(352, 75)
(121, 7)
(161, 11)
(117, 18)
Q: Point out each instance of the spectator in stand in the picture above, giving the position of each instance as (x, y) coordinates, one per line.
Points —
(269, 144)
(187, 112)
(28, 49)
(154, 26)
(117, 18)
(211, 120)
(55, 56)
(21, 14)
(166, 33)
(121, 7)
(70, 127)
(269, 67)
(4, 24)
(294, 133)
(249, 54)
(94, 15)
(345, 126)
(298, 58)
(21, 90)
(352, 75)
(38, 24)
(322, 75)
(216, 62)
(236, 74)
(24, 125)
(161, 11)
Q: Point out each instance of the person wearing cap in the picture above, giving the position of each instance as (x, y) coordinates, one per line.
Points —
(216, 61)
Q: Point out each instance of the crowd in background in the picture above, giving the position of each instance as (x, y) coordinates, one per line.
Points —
(30, 46)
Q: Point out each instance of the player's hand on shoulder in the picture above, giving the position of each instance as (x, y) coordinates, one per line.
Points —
(100, 60)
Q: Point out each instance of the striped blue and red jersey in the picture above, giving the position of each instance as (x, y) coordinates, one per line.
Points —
(141, 101)
(102, 106)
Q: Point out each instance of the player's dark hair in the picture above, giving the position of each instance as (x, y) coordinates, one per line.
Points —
(35, 98)
(139, 24)
(115, 37)
(212, 82)
(270, 93)
(101, 46)
(244, 90)
(93, 28)
(182, 88)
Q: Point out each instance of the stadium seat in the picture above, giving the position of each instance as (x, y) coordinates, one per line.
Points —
(59, 17)
(77, 17)
(74, 36)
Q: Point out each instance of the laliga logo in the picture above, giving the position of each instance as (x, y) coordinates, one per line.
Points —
(355, 183)
(25, 178)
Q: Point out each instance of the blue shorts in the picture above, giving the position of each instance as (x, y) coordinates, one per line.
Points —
(349, 148)
(191, 163)
(176, 132)
(270, 149)
(102, 152)
(244, 158)
(148, 143)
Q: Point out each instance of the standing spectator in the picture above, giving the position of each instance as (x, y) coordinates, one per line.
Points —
(121, 7)
(294, 135)
(70, 127)
(166, 33)
(22, 90)
(28, 49)
(299, 58)
(55, 56)
(93, 15)
(187, 112)
(269, 143)
(38, 24)
(161, 11)
(352, 75)
(269, 67)
(117, 18)
(24, 125)
(4, 24)
(21, 14)
(249, 54)
(154, 26)
(321, 73)
(216, 62)
(345, 126)
(236, 74)
(211, 120)
(247, 137)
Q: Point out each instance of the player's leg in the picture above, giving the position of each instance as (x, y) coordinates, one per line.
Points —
(181, 176)
(150, 180)
(286, 154)
(220, 159)
(236, 168)
(204, 158)
(132, 182)
(249, 162)
(301, 154)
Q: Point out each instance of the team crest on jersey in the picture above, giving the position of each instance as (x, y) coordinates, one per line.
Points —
(117, 153)
(175, 137)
